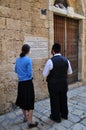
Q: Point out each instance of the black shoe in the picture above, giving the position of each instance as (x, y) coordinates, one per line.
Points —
(65, 117)
(33, 125)
(56, 120)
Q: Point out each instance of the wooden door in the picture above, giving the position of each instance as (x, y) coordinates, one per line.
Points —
(66, 33)
(72, 47)
(59, 32)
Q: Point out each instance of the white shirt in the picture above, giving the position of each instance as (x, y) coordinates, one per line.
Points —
(49, 66)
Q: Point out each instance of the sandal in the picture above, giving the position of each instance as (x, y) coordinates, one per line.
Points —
(33, 125)
(24, 119)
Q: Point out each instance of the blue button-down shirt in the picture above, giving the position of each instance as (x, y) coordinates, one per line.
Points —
(23, 68)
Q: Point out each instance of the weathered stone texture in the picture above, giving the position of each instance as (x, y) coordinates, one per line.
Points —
(2, 23)
(13, 24)
(19, 18)
(39, 81)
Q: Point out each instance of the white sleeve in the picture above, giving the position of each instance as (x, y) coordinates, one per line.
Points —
(69, 68)
(47, 68)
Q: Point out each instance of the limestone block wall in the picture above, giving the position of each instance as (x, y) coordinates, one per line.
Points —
(80, 8)
(85, 45)
(20, 18)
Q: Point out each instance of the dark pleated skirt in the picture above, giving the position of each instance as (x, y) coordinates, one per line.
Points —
(25, 96)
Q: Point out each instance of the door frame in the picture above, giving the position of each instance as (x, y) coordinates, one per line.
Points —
(81, 42)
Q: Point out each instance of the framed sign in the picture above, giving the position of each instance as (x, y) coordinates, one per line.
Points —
(39, 46)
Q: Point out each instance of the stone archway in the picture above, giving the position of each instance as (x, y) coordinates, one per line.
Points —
(78, 5)
(78, 8)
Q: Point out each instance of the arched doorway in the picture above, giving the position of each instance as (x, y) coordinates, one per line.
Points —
(69, 28)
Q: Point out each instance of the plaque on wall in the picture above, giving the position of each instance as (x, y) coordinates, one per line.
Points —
(39, 46)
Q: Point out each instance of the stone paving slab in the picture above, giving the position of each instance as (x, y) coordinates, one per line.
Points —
(78, 127)
(83, 122)
(76, 120)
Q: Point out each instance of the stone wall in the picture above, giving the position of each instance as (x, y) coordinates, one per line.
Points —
(19, 18)
(84, 47)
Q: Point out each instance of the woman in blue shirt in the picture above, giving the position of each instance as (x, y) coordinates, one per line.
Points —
(25, 97)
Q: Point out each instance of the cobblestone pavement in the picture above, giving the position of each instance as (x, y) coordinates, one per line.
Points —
(76, 120)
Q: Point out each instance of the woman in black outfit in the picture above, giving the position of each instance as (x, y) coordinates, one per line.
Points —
(25, 97)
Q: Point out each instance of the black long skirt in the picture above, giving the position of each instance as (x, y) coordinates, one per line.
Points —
(25, 96)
